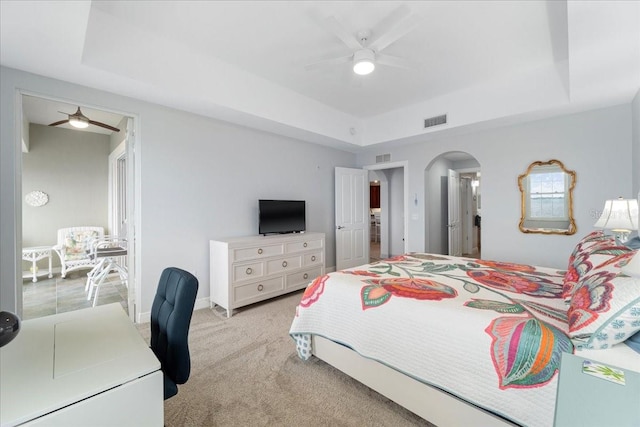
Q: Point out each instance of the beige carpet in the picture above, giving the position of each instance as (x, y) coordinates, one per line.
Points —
(245, 372)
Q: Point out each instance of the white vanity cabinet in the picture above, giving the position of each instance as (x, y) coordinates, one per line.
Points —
(245, 270)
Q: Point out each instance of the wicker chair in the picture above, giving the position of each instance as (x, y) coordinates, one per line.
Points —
(73, 247)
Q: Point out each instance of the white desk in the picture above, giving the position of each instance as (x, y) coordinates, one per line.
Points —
(86, 367)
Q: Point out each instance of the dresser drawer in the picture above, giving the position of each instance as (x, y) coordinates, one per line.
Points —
(284, 264)
(313, 258)
(302, 278)
(257, 252)
(249, 271)
(304, 245)
(257, 290)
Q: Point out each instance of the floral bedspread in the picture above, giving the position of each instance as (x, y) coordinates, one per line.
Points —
(491, 333)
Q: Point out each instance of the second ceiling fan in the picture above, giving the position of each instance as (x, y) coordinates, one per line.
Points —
(80, 121)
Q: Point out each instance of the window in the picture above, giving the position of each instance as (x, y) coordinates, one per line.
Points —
(546, 191)
(547, 196)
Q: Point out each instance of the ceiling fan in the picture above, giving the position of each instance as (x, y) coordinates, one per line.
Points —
(80, 121)
(366, 45)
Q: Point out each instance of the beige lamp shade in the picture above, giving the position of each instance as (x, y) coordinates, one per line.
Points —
(619, 215)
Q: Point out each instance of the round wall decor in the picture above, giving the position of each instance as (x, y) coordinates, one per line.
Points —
(36, 198)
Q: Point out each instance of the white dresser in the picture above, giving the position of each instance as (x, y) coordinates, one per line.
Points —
(245, 270)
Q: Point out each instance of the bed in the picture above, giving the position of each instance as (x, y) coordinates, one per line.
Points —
(462, 341)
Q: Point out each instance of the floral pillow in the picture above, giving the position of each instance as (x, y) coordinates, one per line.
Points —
(605, 307)
(76, 241)
(594, 249)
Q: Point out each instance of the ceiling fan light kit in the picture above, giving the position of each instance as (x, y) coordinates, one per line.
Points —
(79, 122)
(366, 45)
(364, 62)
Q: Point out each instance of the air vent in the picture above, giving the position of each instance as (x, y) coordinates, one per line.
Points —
(383, 158)
(435, 121)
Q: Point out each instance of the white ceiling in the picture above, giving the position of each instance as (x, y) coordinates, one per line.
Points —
(479, 62)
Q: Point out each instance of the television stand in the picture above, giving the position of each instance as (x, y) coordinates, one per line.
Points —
(246, 270)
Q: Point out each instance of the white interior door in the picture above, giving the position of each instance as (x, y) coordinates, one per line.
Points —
(453, 220)
(352, 217)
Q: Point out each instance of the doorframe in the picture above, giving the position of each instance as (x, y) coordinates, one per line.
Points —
(474, 249)
(467, 215)
(133, 169)
(114, 204)
(404, 164)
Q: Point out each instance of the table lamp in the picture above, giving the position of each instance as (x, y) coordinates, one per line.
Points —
(620, 216)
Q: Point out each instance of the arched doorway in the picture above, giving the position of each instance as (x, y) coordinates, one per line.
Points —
(452, 183)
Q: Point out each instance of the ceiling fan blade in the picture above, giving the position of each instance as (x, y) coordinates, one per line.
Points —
(394, 61)
(335, 27)
(60, 122)
(393, 27)
(328, 61)
(103, 125)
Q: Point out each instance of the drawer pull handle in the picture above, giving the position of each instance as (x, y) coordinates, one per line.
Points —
(305, 244)
(260, 251)
(260, 287)
(249, 270)
(313, 258)
(306, 276)
(284, 263)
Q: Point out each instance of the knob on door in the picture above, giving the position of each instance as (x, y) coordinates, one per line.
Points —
(340, 227)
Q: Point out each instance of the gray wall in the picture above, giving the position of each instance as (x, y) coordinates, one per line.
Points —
(199, 179)
(72, 168)
(596, 144)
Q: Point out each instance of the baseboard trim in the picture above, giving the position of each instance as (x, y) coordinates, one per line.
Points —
(203, 302)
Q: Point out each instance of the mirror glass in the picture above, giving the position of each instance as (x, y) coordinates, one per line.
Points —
(546, 191)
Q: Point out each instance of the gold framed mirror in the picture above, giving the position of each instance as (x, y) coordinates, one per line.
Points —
(546, 193)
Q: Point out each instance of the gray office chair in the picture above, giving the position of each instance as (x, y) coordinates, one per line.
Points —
(170, 319)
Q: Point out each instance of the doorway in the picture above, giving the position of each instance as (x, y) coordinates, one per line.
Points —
(439, 197)
(353, 216)
(72, 166)
(374, 214)
(471, 214)
(389, 220)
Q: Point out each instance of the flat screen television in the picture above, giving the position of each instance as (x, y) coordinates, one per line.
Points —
(281, 216)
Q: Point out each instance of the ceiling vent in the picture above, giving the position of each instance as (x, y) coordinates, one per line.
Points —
(435, 121)
(383, 158)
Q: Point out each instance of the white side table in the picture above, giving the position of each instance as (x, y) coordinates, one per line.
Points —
(34, 254)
